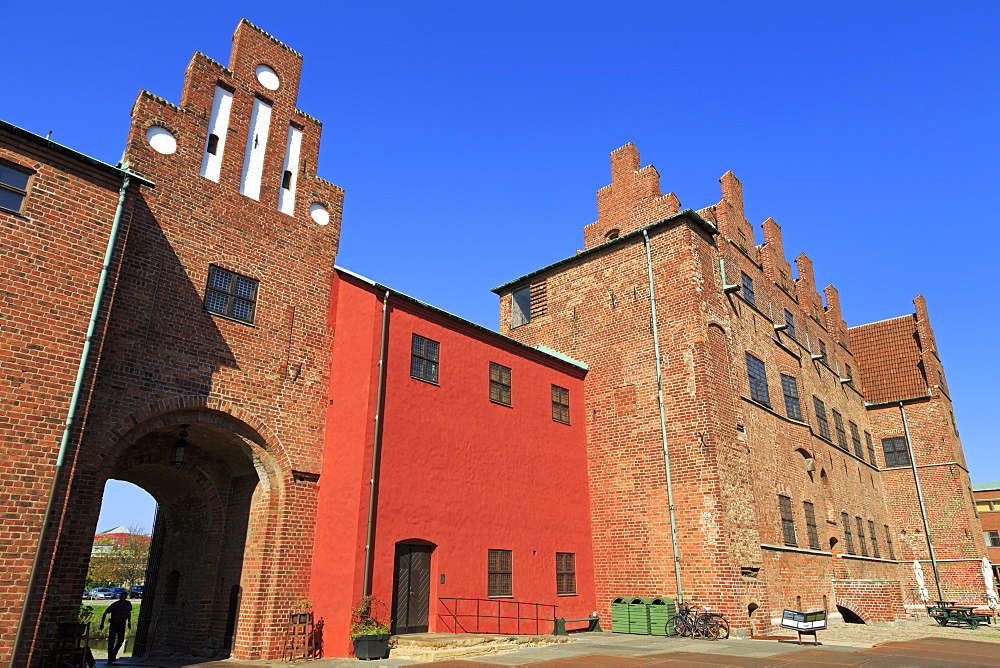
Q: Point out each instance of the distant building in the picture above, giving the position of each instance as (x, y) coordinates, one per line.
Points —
(107, 541)
(987, 497)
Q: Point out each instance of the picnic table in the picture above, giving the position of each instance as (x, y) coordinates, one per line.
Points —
(958, 614)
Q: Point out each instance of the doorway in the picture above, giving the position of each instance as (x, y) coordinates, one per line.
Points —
(411, 591)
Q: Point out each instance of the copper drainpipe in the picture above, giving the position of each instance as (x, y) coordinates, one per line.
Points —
(376, 449)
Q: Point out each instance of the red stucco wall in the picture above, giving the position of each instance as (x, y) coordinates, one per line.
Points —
(456, 471)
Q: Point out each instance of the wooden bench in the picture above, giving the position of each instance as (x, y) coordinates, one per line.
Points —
(593, 624)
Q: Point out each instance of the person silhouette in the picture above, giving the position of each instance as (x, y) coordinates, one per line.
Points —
(121, 618)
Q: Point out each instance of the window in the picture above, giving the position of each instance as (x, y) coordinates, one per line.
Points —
(987, 505)
(758, 380)
(231, 294)
(871, 449)
(560, 404)
(824, 427)
(861, 536)
(822, 349)
(895, 452)
(528, 303)
(787, 521)
(790, 388)
(520, 307)
(790, 321)
(424, 359)
(741, 238)
(992, 538)
(500, 580)
(810, 512)
(783, 281)
(838, 423)
(565, 573)
(856, 440)
(845, 520)
(849, 375)
(13, 187)
(871, 534)
(888, 542)
(499, 384)
(748, 289)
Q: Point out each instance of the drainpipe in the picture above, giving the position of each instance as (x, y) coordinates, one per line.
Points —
(920, 500)
(663, 420)
(73, 403)
(376, 448)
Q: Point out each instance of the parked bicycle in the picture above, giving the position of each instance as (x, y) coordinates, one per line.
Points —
(696, 622)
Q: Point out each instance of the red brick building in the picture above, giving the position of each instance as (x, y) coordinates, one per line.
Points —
(178, 322)
(987, 496)
(744, 444)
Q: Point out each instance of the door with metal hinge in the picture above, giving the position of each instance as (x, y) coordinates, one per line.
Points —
(412, 588)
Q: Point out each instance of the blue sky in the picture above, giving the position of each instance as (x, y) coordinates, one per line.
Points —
(470, 136)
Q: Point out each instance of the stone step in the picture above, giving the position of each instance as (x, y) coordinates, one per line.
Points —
(429, 647)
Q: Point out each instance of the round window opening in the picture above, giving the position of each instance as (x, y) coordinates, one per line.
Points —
(162, 140)
(319, 214)
(267, 78)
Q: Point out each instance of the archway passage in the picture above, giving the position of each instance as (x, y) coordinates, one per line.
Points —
(208, 484)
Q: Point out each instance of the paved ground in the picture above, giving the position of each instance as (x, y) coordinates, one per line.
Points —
(917, 644)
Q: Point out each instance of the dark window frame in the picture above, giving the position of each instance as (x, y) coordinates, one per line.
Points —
(500, 384)
(747, 291)
(500, 573)
(888, 542)
(992, 538)
(790, 322)
(425, 359)
(845, 520)
(12, 189)
(231, 294)
(838, 425)
(824, 425)
(811, 528)
(862, 542)
(895, 452)
(790, 390)
(565, 573)
(520, 307)
(874, 538)
(787, 521)
(758, 385)
(856, 440)
(560, 404)
(871, 448)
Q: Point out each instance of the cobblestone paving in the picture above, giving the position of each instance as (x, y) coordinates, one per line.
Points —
(864, 635)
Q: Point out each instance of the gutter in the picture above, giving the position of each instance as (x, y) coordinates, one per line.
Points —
(376, 448)
(674, 548)
(73, 404)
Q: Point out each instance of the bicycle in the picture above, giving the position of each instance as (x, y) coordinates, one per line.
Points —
(691, 622)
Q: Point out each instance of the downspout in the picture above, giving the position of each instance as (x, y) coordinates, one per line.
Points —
(663, 420)
(73, 403)
(376, 448)
(920, 500)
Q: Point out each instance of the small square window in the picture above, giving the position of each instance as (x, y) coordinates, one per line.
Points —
(499, 384)
(424, 359)
(992, 538)
(500, 573)
(13, 187)
(758, 380)
(560, 404)
(565, 573)
(231, 294)
(790, 388)
(895, 451)
(748, 288)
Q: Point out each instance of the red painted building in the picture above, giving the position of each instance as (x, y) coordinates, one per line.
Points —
(473, 459)
(987, 497)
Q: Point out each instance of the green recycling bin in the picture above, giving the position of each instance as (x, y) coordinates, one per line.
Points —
(619, 614)
(638, 615)
(661, 612)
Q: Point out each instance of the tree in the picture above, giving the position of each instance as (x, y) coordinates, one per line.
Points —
(125, 563)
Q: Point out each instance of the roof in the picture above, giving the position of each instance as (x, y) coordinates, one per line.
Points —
(689, 214)
(548, 352)
(888, 356)
(986, 486)
(38, 140)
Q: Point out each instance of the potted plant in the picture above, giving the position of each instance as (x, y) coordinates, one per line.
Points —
(370, 629)
(302, 611)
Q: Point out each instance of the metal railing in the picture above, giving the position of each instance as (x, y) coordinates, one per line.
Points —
(493, 615)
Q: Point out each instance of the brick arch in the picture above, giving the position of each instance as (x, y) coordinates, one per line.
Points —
(197, 409)
(240, 265)
(862, 610)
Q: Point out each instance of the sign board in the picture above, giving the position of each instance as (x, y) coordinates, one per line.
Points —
(803, 621)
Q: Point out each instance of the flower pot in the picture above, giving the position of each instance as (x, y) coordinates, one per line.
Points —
(372, 647)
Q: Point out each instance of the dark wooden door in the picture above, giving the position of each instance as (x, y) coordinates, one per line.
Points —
(411, 591)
